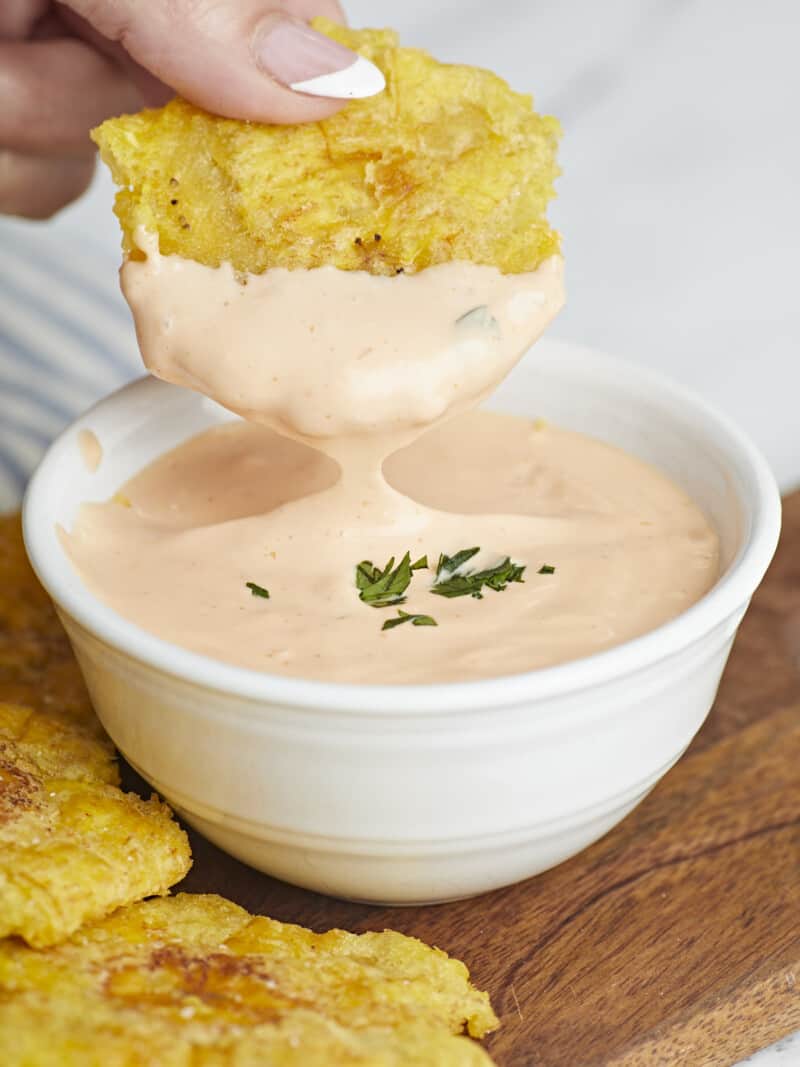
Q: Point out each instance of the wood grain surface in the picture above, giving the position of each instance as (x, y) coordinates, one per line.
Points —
(675, 940)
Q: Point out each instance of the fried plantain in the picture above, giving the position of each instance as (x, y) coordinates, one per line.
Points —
(73, 846)
(37, 667)
(448, 163)
(195, 980)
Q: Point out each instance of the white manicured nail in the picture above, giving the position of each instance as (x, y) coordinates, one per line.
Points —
(360, 79)
(309, 62)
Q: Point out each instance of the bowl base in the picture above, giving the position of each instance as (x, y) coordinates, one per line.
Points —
(383, 878)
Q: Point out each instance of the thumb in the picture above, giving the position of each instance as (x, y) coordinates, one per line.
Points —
(247, 59)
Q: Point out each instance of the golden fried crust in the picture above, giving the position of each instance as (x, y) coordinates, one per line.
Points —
(73, 846)
(447, 164)
(196, 980)
(37, 667)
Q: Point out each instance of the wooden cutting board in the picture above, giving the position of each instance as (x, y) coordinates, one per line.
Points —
(675, 940)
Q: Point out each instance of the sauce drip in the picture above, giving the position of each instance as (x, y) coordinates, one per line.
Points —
(91, 450)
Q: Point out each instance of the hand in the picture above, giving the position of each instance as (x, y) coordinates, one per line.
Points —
(65, 66)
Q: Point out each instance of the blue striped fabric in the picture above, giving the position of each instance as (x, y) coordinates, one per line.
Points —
(66, 338)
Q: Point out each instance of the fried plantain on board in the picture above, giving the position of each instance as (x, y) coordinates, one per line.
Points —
(195, 980)
(37, 667)
(73, 846)
(448, 163)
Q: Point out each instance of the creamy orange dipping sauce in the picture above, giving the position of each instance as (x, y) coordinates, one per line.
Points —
(239, 503)
(360, 445)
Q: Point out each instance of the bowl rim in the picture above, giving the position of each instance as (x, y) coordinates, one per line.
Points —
(729, 594)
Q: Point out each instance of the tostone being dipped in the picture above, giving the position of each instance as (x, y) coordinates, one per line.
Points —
(365, 275)
(448, 164)
(358, 286)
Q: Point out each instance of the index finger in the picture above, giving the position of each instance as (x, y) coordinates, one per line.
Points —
(247, 59)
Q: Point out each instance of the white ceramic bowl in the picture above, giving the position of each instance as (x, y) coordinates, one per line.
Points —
(405, 794)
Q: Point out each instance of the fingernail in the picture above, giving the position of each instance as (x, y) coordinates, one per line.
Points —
(309, 62)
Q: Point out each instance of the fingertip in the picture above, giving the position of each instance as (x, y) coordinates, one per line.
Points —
(238, 60)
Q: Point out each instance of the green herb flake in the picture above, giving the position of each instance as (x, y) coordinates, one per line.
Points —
(404, 616)
(448, 564)
(257, 590)
(450, 583)
(421, 564)
(383, 588)
(546, 568)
